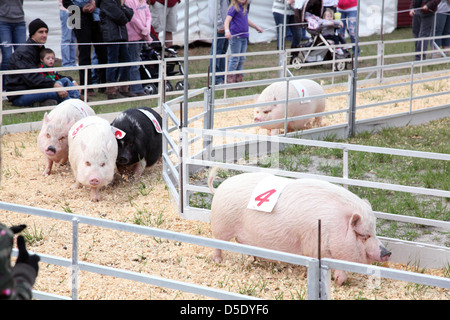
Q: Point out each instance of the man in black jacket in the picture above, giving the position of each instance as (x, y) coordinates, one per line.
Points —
(88, 34)
(27, 57)
(423, 12)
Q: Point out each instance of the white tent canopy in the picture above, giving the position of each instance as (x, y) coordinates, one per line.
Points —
(199, 25)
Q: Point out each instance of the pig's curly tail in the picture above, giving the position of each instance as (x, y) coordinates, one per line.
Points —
(212, 176)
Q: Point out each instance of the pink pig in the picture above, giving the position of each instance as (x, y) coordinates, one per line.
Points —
(52, 140)
(297, 89)
(347, 222)
(93, 153)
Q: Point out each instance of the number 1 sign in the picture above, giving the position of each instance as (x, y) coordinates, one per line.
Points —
(266, 193)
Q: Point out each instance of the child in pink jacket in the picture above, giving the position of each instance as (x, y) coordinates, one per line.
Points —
(138, 32)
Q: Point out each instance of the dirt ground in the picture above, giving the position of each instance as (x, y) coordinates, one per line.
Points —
(147, 201)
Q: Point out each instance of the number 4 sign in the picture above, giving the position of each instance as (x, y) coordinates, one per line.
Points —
(266, 193)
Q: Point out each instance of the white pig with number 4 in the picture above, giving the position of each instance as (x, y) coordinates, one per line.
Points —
(347, 222)
(297, 89)
(92, 153)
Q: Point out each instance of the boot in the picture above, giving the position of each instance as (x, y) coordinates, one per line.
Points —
(239, 78)
(125, 91)
(112, 93)
(231, 78)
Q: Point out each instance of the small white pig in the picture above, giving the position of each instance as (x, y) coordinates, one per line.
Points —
(347, 222)
(297, 89)
(52, 140)
(92, 153)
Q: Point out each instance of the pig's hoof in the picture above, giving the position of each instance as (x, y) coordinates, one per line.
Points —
(217, 256)
(340, 277)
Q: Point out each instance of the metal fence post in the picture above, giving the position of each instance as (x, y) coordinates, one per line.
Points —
(313, 280)
(75, 266)
(325, 283)
(345, 165)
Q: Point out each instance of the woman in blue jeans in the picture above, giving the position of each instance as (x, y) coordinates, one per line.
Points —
(12, 28)
(347, 9)
(236, 31)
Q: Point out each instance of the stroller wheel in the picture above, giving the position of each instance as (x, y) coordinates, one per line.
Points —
(180, 85)
(150, 89)
(169, 86)
(340, 65)
(296, 61)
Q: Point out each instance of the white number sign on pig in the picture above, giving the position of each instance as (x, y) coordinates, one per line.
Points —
(92, 153)
(266, 193)
(297, 89)
(52, 139)
(347, 221)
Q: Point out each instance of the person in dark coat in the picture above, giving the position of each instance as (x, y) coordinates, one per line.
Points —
(88, 34)
(423, 23)
(114, 16)
(28, 57)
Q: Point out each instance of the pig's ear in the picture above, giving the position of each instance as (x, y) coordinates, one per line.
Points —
(46, 119)
(109, 145)
(256, 97)
(70, 123)
(355, 220)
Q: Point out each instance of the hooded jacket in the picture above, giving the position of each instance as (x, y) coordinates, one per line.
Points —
(113, 19)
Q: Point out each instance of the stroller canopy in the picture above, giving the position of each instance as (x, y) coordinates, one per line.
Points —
(300, 7)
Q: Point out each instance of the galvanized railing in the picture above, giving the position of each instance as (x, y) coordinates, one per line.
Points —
(318, 277)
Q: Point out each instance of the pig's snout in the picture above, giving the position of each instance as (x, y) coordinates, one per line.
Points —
(51, 149)
(122, 160)
(385, 254)
(257, 119)
(94, 182)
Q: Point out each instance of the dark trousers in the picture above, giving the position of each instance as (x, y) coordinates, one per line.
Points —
(89, 33)
(422, 26)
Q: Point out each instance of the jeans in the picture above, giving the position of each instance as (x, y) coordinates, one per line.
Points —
(237, 45)
(11, 33)
(349, 20)
(118, 53)
(28, 99)
(65, 82)
(68, 40)
(221, 48)
(135, 48)
(443, 29)
(290, 21)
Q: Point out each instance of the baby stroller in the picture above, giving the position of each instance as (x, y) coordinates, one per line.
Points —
(320, 48)
(153, 52)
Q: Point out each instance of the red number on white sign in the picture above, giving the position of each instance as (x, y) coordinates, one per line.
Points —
(264, 197)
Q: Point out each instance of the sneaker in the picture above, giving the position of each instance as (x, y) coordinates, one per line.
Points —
(48, 102)
(339, 51)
